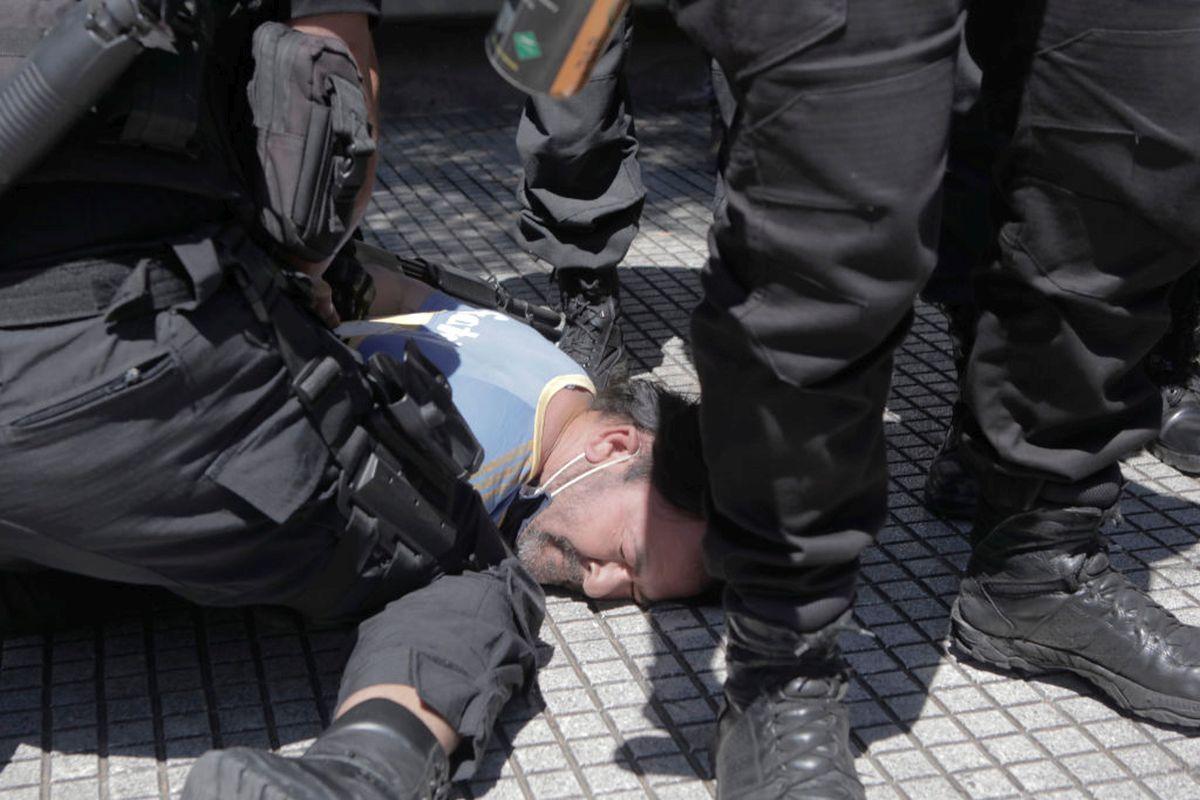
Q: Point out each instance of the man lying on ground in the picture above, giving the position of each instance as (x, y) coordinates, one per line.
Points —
(630, 532)
(598, 493)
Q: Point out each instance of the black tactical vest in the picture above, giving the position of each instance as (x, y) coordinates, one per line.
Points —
(168, 121)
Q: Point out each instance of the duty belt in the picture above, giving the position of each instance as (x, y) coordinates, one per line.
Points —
(87, 288)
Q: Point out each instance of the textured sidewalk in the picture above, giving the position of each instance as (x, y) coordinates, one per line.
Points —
(629, 697)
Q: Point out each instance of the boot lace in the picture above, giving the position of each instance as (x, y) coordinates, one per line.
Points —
(588, 334)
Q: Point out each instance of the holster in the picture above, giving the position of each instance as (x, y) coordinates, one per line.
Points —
(403, 449)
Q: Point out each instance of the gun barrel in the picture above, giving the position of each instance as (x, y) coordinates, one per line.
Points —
(64, 75)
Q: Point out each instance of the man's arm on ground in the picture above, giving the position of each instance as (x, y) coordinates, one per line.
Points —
(395, 292)
(467, 641)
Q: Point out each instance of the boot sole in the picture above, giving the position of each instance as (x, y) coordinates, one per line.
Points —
(1184, 462)
(1035, 659)
(614, 368)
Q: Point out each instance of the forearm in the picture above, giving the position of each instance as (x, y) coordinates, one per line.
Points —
(395, 292)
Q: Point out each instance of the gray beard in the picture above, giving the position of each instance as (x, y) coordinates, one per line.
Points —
(534, 549)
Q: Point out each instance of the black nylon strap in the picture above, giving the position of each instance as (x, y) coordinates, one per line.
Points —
(80, 289)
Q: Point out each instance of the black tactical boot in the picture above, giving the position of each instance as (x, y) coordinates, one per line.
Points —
(1041, 596)
(593, 325)
(784, 732)
(377, 750)
(1178, 442)
(951, 490)
(1175, 367)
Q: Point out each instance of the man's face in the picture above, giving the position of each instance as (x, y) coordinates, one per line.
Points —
(612, 538)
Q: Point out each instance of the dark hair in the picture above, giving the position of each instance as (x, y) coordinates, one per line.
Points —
(675, 463)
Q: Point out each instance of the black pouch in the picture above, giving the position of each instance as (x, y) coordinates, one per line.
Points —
(313, 139)
(417, 415)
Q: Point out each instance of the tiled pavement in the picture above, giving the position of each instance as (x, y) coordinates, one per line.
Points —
(629, 696)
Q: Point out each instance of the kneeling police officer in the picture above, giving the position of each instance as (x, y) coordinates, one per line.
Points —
(172, 412)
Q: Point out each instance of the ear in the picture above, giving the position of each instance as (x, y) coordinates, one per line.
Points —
(611, 439)
(607, 580)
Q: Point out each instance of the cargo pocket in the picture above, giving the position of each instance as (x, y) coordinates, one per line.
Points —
(827, 149)
(817, 171)
(748, 36)
(1113, 115)
(277, 467)
(113, 400)
(786, 328)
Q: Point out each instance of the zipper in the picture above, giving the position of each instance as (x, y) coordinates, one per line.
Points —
(130, 378)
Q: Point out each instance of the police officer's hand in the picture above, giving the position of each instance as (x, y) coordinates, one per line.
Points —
(310, 286)
(322, 302)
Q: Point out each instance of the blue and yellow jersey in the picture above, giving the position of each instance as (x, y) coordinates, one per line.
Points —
(502, 373)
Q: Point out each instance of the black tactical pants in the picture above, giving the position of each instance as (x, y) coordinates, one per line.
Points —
(581, 195)
(828, 230)
(166, 450)
(1098, 221)
(831, 227)
(965, 238)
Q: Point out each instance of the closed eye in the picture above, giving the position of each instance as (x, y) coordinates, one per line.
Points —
(631, 564)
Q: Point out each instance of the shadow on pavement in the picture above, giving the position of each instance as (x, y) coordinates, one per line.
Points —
(894, 674)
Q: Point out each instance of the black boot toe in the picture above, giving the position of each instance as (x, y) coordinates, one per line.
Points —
(1178, 443)
(789, 744)
(377, 750)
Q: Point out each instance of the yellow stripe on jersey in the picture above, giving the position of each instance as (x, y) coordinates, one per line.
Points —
(500, 476)
(500, 487)
(501, 460)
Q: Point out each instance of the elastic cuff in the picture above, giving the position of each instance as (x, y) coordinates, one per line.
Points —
(799, 614)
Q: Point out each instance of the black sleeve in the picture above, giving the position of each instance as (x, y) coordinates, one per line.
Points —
(467, 643)
(291, 9)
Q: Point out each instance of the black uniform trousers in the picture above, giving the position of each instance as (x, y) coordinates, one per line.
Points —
(581, 193)
(1096, 222)
(165, 449)
(830, 228)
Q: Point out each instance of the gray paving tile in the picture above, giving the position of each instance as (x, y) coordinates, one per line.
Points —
(987, 783)
(1038, 777)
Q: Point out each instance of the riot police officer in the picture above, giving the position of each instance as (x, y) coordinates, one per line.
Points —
(828, 231)
(172, 414)
(581, 197)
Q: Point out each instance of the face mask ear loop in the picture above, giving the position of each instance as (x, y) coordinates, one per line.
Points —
(594, 469)
(541, 489)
